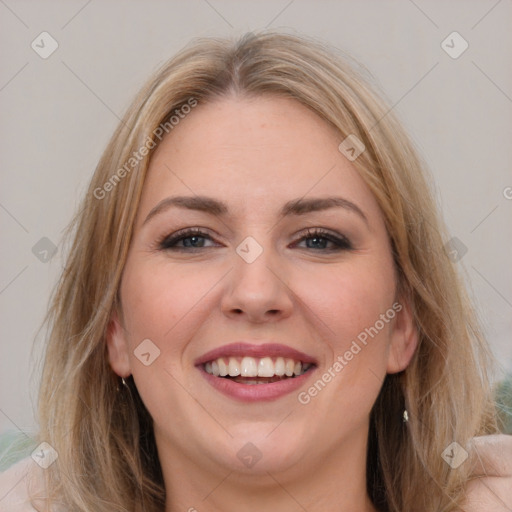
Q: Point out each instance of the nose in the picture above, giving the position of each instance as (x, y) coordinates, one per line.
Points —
(257, 291)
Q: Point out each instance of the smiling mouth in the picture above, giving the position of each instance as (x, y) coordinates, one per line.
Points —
(253, 370)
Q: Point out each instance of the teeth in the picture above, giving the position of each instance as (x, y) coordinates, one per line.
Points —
(223, 367)
(233, 367)
(266, 367)
(279, 367)
(254, 367)
(249, 367)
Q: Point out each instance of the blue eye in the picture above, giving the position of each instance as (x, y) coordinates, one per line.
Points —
(190, 238)
(319, 240)
(316, 240)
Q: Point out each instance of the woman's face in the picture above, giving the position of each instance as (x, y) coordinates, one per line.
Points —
(288, 270)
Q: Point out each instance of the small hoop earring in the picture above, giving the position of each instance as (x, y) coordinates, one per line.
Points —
(124, 382)
(406, 416)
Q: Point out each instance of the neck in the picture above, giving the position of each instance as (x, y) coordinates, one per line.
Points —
(330, 481)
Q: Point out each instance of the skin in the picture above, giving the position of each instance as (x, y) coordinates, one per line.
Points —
(255, 155)
(490, 488)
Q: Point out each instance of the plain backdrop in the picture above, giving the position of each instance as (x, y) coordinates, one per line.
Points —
(57, 114)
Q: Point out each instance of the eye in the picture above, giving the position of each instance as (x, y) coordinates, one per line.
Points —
(319, 240)
(192, 238)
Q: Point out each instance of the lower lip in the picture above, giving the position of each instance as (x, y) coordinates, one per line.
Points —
(256, 392)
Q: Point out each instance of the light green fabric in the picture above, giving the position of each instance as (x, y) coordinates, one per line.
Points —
(14, 446)
(504, 404)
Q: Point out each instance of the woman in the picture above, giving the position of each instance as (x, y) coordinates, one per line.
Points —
(257, 310)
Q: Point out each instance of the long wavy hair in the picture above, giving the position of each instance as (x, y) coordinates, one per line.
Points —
(104, 437)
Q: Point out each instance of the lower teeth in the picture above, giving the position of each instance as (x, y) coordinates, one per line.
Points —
(258, 380)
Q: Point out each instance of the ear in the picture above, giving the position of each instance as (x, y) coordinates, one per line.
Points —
(404, 338)
(117, 346)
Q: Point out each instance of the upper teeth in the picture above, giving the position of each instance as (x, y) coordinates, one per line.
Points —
(255, 367)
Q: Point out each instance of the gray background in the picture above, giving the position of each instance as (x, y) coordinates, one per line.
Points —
(58, 113)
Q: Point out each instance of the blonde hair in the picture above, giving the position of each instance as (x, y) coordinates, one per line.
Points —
(107, 454)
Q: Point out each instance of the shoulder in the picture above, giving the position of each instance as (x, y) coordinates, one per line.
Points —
(16, 485)
(490, 487)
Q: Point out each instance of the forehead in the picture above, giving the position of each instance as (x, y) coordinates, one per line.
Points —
(253, 152)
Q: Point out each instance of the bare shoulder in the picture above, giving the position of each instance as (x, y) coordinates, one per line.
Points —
(492, 455)
(14, 485)
(490, 488)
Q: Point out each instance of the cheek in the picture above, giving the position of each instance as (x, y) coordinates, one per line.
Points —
(352, 305)
(157, 298)
(165, 304)
(349, 299)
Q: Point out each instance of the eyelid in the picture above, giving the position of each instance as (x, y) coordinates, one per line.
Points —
(161, 243)
(168, 242)
(317, 231)
(341, 240)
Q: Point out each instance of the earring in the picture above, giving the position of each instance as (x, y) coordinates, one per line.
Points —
(124, 382)
(406, 416)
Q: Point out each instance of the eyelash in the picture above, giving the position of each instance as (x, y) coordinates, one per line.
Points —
(168, 243)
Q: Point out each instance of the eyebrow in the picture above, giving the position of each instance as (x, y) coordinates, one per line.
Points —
(218, 208)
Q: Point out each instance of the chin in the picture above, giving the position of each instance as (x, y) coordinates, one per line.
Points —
(259, 448)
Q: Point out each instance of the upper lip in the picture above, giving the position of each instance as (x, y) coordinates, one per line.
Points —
(241, 349)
